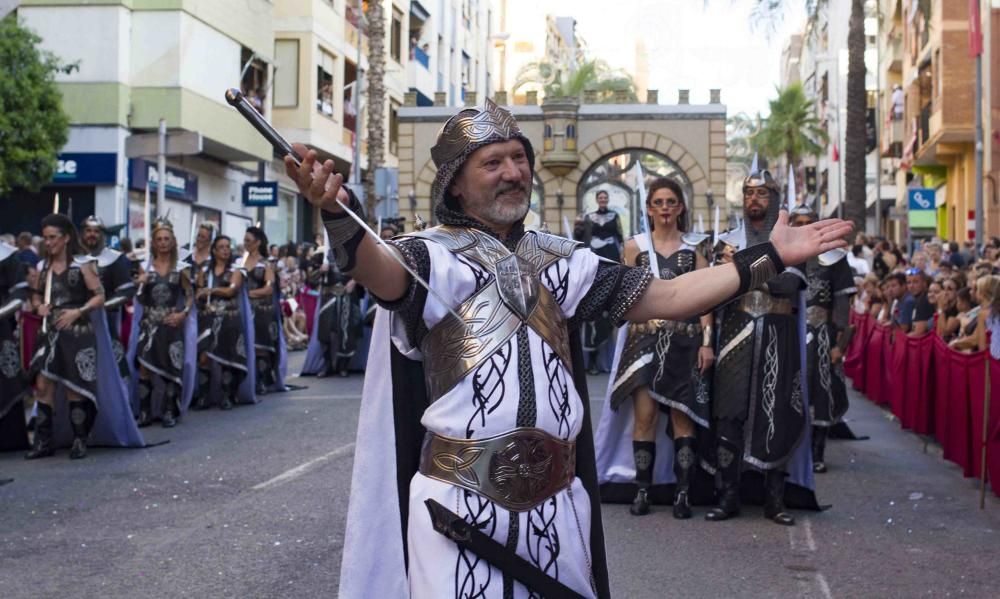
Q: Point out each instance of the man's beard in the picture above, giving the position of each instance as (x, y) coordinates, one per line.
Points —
(506, 213)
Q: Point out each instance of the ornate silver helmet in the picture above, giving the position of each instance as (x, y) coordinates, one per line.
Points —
(804, 210)
(762, 178)
(463, 134)
(93, 221)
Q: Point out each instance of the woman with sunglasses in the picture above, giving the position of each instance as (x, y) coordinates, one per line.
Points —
(662, 363)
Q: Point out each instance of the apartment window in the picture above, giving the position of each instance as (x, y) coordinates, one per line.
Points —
(324, 83)
(286, 74)
(253, 79)
(396, 35)
(393, 127)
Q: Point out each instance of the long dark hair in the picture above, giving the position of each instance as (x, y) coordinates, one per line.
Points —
(260, 236)
(65, 226)
(211, 257)
(665, 183)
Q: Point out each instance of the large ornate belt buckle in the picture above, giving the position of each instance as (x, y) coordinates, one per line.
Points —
(816, 315)
(756, 303)
(523, 470)
(517, 279)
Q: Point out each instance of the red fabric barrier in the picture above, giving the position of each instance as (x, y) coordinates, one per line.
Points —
(854, 358)
(308, 303)
(933, 390)
(874, 364)
(30, 325)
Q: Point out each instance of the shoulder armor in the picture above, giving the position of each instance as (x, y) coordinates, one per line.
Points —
(553, 244)
(6, 250)
(184, 255)
(79, 261)
(107, 257)
(694, 239)
(832, 257)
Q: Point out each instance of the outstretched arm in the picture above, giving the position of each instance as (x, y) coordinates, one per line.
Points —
(356, 252)
(702, 290)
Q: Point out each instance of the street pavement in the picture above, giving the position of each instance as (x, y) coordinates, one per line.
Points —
(252, 503)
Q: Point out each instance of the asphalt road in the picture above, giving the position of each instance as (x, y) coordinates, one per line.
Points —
(252, 503)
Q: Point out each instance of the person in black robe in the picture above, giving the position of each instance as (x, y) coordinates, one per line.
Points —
(13, 386)
(115, 270)
(601, 230)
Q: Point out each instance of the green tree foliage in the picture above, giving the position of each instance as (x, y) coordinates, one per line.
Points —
(33, 126)
(568, 81)
(792, 130)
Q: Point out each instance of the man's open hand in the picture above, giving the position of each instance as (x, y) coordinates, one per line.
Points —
(795, 245)
(316, 181)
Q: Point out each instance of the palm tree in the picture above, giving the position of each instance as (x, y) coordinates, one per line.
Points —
(792, 130)
(375, 18)
(855, 135)
(569, 81)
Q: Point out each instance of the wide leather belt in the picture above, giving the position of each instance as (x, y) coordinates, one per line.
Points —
(758, 303)
(690, 329)
(817, 315)
(518, 469)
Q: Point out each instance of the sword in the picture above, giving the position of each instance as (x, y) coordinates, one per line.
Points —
(237, 100)
(654, 264)
(48, 273)
(469, 537)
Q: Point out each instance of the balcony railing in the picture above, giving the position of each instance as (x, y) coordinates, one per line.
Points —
(420, 56)
(924, 125)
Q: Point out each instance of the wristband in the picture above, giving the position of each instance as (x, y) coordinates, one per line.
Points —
(756, 265)
(706, 336)
(344, 233)
(84, 310)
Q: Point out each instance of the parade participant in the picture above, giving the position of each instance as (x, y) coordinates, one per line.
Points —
(830, 284)
(13, 293)
(660, 367)
(757, 403)
(74, 353)
(262, 289)
(164, 346)
(115, 270)
(225, 330)
(334, 340)
(491, 488)
(601, 230)
(202, 251)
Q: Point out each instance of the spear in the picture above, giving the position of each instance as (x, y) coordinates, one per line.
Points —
(715, 227)
(654, 264)
(194, 230)
(48, 273)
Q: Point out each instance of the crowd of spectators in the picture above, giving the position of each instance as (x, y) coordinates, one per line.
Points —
(941, 287)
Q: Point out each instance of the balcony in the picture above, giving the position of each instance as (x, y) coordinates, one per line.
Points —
(418, 74)
(421, 57)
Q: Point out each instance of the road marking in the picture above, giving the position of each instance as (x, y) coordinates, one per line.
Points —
(808, 542)
(302, 468)
(824, 587)
(810, 539)
(338, 397)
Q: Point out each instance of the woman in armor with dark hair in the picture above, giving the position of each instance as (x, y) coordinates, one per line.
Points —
(166, 298)
(221, 336)
(73, 352)
(662, 363)
(261, 282)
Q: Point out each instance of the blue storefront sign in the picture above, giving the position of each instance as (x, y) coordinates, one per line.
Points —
(260, 193)
(923, 210)
(75, 168)
(180, 185)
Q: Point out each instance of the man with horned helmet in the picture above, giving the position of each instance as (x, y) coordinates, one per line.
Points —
(474, 468)
(758, 404)
(828, 304)
(115, 271)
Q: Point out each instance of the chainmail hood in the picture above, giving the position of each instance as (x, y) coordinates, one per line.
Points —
(762, 178)
(463, 134)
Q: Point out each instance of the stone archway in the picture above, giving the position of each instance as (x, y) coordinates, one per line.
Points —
(611, 144)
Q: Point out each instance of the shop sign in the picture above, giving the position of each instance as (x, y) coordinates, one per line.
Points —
(73, 168)
(260, 193)
(180, 185)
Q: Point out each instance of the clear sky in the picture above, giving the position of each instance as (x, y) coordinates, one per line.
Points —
(692, 44)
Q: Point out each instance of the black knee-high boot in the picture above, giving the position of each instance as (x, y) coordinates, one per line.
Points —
(729, 458)
(170, 407)
(202, 391)
(263, 374)
(819, 448)
(81, 418)
(644, 453)
(685, 459)
(145, 391)
(41, 444)
(228, 390)
(774, 498)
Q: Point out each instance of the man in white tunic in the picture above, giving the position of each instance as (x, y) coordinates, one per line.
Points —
(474, 471)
